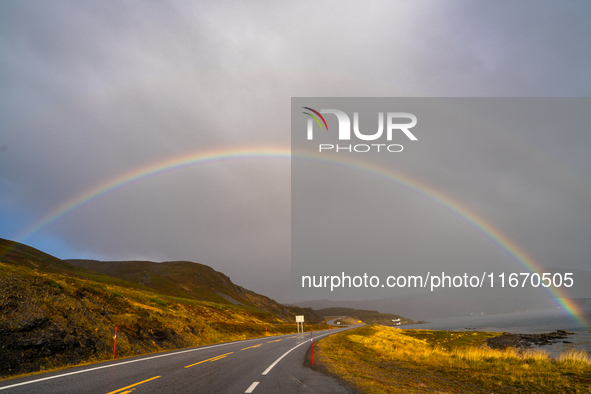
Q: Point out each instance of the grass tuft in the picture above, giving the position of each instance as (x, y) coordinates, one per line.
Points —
(574, 356)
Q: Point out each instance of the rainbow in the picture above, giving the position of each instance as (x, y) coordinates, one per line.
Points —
(151, 170)
(273, 152)
(496, 235)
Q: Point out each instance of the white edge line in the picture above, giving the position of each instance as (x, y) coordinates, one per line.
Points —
(125, 362)
(252, 387)
(286, 353)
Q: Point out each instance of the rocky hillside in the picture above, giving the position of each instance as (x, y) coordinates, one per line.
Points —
(54, 314)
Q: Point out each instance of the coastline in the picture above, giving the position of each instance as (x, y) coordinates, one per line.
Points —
(526, 341)
(533, 324)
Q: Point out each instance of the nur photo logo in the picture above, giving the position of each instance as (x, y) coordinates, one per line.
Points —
(393, 127)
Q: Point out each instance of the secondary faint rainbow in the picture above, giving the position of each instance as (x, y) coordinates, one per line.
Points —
(265, 152)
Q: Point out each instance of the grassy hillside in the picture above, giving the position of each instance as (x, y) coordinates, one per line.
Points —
(194, 281)
(53, 314)
(366, 316)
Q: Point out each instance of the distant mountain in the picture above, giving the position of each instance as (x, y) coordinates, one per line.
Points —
(424, 308)
(366, 316)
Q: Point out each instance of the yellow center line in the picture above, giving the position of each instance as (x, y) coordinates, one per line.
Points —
(133, 385)
(209, 359)
(252, 347)
(292, 337)
(277, 340)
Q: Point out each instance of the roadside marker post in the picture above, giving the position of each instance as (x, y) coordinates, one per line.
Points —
(312, 345)
(115, 343)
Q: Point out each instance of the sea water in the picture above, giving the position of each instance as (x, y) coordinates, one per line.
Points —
(539, 321)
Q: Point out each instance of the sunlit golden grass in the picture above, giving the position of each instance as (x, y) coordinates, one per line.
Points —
(574, 356)
(378, 359)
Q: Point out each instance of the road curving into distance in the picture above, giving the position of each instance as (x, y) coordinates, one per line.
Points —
(332, 322)
(266, 365)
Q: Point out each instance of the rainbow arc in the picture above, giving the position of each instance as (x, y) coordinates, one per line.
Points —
(285, 153)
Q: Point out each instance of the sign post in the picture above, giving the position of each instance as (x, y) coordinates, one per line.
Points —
(300, 319)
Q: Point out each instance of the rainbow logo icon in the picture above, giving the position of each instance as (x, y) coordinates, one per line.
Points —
(315, 118)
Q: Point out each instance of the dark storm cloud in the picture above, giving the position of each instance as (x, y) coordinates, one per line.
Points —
(91, 90)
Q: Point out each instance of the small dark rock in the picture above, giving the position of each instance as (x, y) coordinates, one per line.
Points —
(563, 332)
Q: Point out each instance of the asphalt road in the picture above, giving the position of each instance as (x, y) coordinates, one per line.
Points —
(264, 365)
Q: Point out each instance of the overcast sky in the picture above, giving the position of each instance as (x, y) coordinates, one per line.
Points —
(91, 90)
